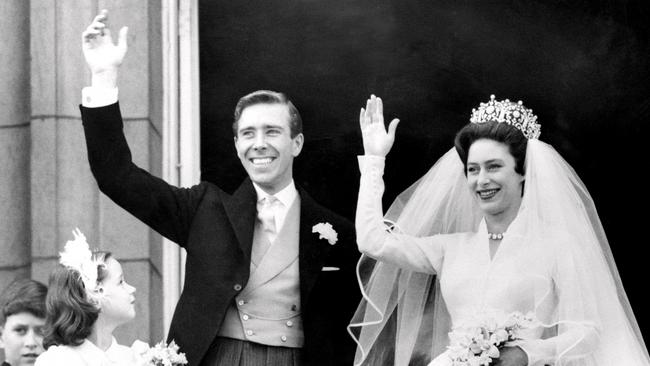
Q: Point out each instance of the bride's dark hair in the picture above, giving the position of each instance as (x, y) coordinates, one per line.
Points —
(493, 130)
(70, 312)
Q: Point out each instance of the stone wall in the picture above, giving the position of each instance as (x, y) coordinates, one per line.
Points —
(46, 187)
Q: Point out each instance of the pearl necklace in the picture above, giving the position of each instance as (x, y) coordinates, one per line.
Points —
(495, 236)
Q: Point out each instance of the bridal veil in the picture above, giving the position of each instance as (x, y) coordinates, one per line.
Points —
(402, 319)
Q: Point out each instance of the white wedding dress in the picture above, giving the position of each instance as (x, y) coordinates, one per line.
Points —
(523, 275)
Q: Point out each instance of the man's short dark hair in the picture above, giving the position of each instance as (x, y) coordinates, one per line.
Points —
(23, 296)
(269, 97)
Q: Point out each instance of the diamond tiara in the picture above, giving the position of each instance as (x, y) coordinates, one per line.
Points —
(514, 114)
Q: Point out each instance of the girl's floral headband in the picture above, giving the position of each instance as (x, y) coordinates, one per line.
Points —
(77, 256)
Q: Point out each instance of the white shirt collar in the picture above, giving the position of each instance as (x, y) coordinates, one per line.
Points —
(286, 196)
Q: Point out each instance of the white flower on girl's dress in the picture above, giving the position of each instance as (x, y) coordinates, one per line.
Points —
(475, 342)
(326, 231)
(159, 355)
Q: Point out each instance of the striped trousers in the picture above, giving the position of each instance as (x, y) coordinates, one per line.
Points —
(236, 352)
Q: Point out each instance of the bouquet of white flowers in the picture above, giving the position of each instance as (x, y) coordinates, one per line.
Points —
(477, 341)
(161, 354)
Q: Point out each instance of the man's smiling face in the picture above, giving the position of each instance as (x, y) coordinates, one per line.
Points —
(265, 146)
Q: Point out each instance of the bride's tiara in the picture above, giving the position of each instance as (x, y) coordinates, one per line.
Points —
(514, 114)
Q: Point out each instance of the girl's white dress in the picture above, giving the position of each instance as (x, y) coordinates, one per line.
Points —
(87, 354)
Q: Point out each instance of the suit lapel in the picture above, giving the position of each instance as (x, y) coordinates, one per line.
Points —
(313, 251)
(241, 209)
(282, 253)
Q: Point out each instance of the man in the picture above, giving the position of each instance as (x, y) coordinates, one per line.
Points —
(22, 318)
(260, 286)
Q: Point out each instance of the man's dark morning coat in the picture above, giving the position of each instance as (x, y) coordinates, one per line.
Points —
(216, 229)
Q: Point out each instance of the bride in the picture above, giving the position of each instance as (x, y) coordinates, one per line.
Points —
(500, 224)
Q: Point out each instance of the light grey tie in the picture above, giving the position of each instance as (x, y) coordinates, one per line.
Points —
(266, 216)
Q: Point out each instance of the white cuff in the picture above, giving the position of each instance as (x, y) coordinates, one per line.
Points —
(368, 163)
(93, 97)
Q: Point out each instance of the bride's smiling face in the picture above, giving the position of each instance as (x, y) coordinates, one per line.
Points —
(492, 178)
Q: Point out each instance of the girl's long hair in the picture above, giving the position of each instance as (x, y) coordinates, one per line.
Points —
(71, 312)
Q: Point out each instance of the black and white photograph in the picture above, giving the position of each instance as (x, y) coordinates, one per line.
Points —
(323, 182)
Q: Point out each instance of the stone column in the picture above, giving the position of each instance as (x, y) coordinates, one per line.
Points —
(64, 193)
(15, 255)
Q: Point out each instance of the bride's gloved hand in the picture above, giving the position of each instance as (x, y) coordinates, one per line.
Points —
(376, 140)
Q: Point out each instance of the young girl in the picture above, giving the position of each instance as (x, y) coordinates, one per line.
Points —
(88, 298)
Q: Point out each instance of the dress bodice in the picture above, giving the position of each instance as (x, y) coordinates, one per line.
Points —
(517, 278)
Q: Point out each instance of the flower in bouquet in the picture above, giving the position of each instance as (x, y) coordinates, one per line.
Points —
(477, 341)
(163, 354)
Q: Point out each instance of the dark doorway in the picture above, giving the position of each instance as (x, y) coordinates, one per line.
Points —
(582, 66)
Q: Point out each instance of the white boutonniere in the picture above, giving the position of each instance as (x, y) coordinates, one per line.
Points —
(326, 231)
